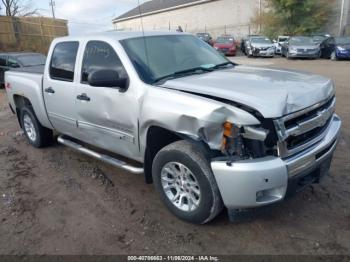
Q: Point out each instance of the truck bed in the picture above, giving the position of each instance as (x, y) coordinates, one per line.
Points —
(30, 69)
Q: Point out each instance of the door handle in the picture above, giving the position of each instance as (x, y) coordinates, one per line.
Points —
(49, 90)
(83, 97)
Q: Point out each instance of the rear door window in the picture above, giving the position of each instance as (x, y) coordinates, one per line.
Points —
(63, 61)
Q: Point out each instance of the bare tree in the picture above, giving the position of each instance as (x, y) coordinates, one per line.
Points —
(18, 8)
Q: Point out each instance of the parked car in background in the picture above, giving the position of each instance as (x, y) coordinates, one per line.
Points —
(244, 43)
(336, 48)
(278, 44)
(260, 46)
(206, 38)
(226, 44)
(300, 46)
(17, 60)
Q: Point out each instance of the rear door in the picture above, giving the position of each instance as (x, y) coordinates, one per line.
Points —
(107, 117)
(59, 87)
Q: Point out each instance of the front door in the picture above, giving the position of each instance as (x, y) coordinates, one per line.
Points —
(59, 93)
(107, 117)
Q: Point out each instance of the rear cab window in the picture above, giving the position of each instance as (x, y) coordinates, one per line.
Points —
(63, 60)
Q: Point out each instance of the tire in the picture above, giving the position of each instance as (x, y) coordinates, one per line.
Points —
(36, 134)
(334, 56)
(201, 202)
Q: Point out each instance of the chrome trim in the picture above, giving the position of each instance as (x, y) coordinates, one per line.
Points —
(105, 158)
(320, 119)
(307, 159)
(306, 110)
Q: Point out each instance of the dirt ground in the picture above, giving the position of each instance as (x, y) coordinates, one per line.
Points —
(57, 201)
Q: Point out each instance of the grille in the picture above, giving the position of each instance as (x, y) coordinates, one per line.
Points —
(306, 51)
(303, 129)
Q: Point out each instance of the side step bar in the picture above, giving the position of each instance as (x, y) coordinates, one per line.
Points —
(110, 160)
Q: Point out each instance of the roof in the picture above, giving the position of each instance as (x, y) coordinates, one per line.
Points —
(15, 54)
(157, 6)
(116, 35)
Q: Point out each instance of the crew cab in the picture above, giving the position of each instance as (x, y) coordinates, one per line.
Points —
(207, 132)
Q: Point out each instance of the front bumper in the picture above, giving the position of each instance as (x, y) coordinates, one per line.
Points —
(304, 55)
(264, 53)
(258, 182)
(228, 52)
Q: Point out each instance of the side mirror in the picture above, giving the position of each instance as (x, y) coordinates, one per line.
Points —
(108, 78)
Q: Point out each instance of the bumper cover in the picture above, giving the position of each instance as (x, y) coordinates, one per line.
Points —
(304, 55)
(258, 182)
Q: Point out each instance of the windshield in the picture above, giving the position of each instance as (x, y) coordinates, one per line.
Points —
(224, 40)
(260, 40)
(301, 41)
(168, 54)
(282, 39)
(32, 59)
(342, 40)
(318, 39)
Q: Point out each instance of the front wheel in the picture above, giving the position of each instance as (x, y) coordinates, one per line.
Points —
(183, 177)
(36, 134)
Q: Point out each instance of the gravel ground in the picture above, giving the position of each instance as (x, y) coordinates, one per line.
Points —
(57, 201)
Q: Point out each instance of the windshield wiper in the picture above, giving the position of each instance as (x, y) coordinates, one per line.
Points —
(185, 72)
(222, 65)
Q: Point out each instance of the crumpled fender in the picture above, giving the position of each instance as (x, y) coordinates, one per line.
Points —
(194, 116)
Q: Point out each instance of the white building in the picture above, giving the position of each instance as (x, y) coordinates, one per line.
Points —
(214, 16)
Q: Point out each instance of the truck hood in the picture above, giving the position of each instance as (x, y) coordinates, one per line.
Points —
(272, 92)
(258, 45)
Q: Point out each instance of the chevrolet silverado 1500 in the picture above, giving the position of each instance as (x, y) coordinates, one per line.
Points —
(207, 132)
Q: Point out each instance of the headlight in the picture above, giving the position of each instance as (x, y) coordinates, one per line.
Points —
(232, 143)
(341, 48)
(293, 50)
(233, 136)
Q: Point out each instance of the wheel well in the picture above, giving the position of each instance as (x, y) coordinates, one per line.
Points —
(157, 138)
(20, 102)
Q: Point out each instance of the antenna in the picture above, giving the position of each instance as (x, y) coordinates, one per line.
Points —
(143, 35)
(52, 4)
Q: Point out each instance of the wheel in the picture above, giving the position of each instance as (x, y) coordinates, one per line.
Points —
(37, 135)
(183, 177)
(334, 56)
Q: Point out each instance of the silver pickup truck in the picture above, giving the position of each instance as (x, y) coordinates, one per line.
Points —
(207, 132)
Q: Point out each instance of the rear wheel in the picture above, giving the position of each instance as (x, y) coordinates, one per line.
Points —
(185, 182)
(36, 134)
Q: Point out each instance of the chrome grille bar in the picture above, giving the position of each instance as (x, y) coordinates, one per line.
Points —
(303, 125)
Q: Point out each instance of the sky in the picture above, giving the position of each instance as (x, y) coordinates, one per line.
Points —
(86, 16)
